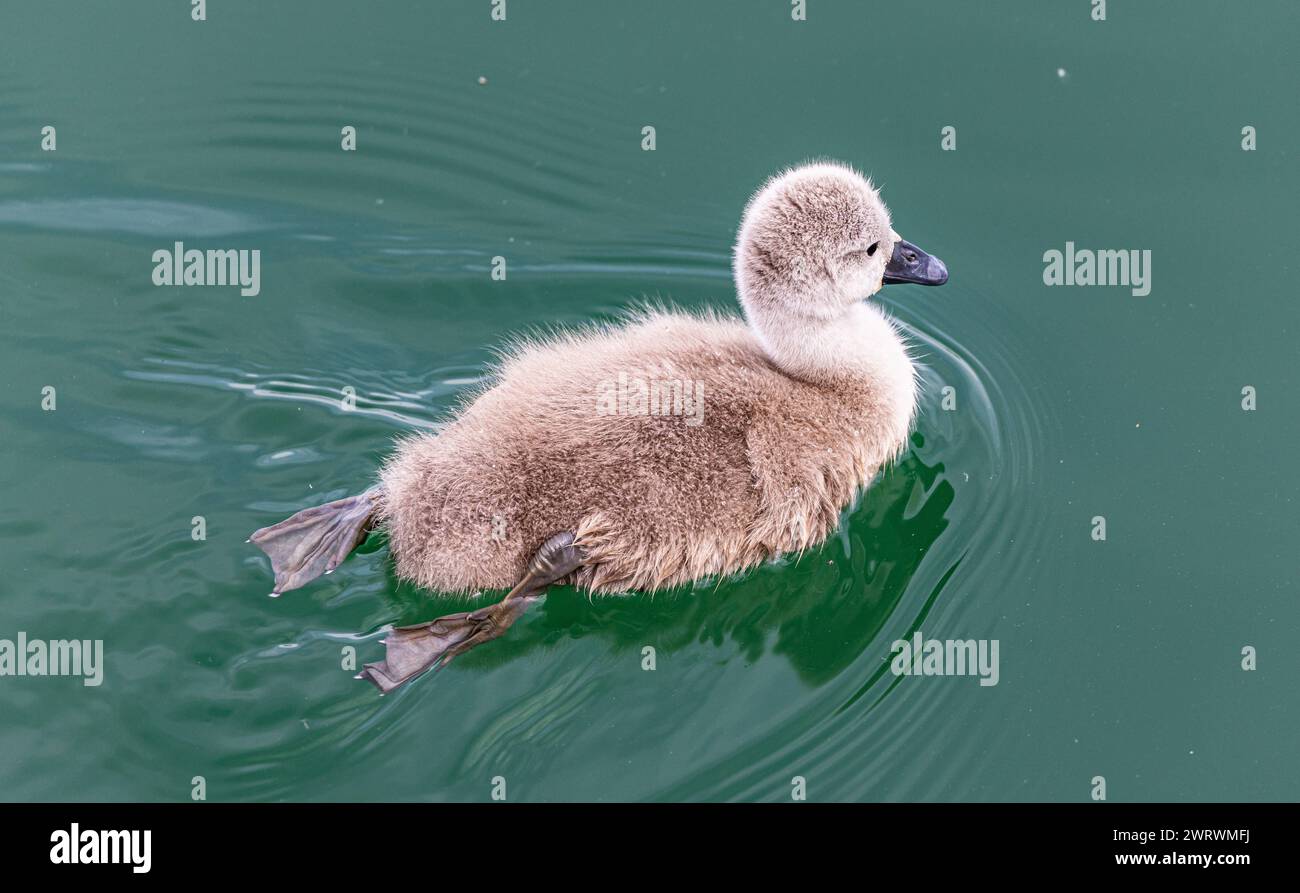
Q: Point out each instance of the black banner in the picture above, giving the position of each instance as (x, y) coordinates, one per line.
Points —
(329, 842)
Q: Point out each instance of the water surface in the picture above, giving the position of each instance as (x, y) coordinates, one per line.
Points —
(1119, 659)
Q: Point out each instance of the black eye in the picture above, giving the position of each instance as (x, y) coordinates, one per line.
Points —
(871, 252)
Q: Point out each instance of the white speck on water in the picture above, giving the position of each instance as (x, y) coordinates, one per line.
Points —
(1061, 73)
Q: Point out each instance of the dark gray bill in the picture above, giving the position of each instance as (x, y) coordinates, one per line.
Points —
(910, 264)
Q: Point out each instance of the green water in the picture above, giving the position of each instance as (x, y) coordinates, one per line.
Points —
(1119, 658)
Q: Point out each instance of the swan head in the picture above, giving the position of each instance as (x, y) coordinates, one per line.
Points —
(816, 240)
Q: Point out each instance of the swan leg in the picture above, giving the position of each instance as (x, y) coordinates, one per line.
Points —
(414, 649)
(316, 540)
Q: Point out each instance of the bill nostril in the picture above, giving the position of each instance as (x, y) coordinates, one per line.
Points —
(910, 257)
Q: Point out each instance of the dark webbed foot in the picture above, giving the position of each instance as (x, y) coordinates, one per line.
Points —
(412, 650)
(316, 540)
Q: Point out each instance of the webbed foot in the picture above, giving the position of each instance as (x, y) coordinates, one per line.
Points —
(413, 650)
(316, 540)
